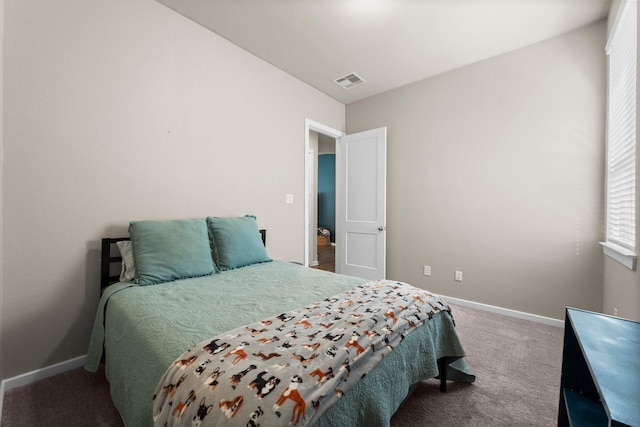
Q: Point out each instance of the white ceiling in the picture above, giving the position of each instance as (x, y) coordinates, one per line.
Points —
(389, 43)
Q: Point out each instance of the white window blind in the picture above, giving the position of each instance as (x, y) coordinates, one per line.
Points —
(621, 131)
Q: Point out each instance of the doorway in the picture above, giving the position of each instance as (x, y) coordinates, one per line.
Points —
(360, 235)
(326, 203)
(320, 140)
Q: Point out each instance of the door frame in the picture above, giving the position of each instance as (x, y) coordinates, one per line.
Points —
(310, 125)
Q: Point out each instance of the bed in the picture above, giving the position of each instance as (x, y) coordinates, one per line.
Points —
(176, 302)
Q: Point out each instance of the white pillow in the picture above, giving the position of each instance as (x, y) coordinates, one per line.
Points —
(128, 271)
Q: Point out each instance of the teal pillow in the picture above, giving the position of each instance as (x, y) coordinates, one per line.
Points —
(236, 241)
(164, 251)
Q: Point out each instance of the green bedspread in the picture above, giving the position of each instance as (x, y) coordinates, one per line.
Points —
(148, 327)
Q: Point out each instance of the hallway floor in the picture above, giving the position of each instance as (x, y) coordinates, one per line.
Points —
(326, 258)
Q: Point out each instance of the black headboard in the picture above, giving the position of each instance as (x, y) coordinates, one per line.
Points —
(108, 258)
(111, 257)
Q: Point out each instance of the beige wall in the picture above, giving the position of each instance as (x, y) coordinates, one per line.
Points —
(1, 175)
(121, 110)
(621, 285)
(124, 110)
(496, 170)
(326, 144)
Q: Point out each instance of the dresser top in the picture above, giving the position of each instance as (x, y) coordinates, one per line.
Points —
(611, 347)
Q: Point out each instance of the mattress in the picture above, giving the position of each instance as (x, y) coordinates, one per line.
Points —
(143, 329)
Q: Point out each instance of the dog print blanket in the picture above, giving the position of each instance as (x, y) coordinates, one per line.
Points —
(288, 369)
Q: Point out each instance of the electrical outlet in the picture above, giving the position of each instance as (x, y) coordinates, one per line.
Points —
(458, 276)
(615, 311)
(427, 270)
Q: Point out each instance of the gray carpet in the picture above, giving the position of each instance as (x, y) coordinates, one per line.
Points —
(516, 362)
(517, 365)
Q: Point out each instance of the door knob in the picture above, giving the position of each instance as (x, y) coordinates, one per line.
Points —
(381, 228)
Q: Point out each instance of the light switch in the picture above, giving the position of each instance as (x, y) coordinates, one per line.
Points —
(289, 198)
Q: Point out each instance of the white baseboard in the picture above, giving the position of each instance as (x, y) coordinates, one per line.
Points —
(40, 374)
(505, 311)
(1, 397)
(58, 368)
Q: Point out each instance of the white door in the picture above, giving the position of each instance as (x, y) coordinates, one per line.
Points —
(362, 191)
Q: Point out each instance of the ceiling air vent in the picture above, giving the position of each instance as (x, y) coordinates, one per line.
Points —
(350, 80)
